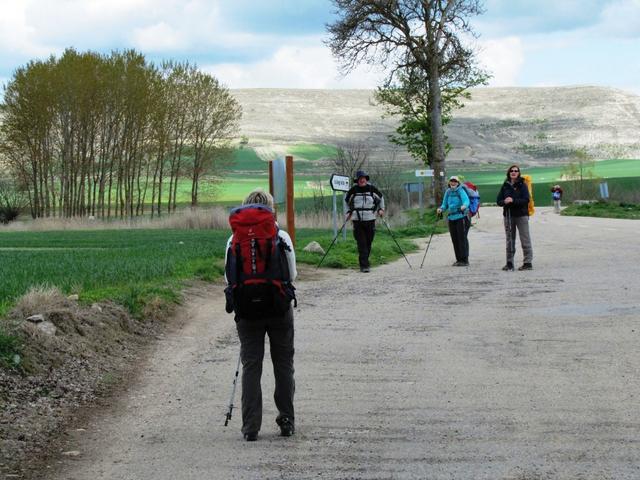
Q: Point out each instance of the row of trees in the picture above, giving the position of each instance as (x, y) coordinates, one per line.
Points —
(108, 135)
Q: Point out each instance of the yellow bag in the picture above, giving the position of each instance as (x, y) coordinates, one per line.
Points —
(527, 179)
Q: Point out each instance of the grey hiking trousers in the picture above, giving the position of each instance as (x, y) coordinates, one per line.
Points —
(521, 224)
(251, 334)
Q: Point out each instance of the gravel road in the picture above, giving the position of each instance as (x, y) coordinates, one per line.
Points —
(438, 373)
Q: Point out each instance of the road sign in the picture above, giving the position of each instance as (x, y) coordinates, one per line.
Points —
(279, 180)
(339, 182)
(424, 173)
(414, 187)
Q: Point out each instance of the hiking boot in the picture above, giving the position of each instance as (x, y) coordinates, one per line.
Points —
(251, 436)
(455, 264)
(508, 267)
(526, 266)
(286, 427)
(365, 269)
(463, 264)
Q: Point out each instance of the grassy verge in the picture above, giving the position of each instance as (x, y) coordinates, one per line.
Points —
(605, 210)
(344, 254)
(10, 349)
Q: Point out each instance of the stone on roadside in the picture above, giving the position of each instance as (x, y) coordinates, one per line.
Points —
(47, 327)
(314, 247)
(72, 453)
(96, 307)
(74, 297)
(37, 318)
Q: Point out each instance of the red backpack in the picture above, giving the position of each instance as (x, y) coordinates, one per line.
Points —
(474, 198)
(259, 282)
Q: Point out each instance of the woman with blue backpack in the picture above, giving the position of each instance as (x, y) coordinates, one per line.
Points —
(456, 203)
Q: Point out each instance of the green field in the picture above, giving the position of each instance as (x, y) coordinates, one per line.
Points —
(107, 263)
(123, 264)
(313, 167)
(618, 173)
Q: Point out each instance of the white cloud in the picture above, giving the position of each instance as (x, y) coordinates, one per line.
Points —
(621, 19)
(16, 35)
(503, 58)
(158, 37)
(293, 67)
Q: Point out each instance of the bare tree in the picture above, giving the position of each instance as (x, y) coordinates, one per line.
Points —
(408, 36)
(386, 174)
(351, 157)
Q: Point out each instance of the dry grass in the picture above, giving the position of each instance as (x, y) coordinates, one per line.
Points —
(38, 299)
(216, 218)
(204, 218)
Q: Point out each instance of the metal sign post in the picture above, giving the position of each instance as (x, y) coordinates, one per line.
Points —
(339, 183)
(604, 190)
(427, 172)
(414, 187)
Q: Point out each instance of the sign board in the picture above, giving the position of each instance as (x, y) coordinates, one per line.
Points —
(414, 187)
(339, 183)
(279, 180)
(424, 173)
(604, 190)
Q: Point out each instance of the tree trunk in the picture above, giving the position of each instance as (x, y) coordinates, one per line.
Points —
(437, 132)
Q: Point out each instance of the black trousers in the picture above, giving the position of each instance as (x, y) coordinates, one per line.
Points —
(458, 229)
(251, 334)
(363, 232)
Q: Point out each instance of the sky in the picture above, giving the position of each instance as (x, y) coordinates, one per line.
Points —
(280, 43)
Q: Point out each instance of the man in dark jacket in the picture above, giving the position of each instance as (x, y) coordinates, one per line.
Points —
(364, 201)
(514, 200)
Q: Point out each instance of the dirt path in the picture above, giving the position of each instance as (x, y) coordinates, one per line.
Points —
(463, 373)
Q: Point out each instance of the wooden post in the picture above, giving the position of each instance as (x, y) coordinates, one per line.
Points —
(291, 224)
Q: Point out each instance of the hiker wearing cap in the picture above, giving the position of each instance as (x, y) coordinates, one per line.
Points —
(456, 203)
(364, 202)
(556, 195)
(274, 316)
(513, 197)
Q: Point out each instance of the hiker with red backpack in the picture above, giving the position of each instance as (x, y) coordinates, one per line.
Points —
(260, 266)
(514, 199)
(456, 203)
(364, 202)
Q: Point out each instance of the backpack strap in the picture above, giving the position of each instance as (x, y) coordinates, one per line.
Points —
(267, 259)
(238, 263)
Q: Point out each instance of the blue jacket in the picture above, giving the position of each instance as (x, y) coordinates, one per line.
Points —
(453, 199)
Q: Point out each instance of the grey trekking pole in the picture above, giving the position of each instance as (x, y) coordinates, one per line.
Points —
(233, 393)
(334, 241)
(512, 237)
(430, 237)
(394, 239)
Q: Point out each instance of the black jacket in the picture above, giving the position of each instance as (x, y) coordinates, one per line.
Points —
(520, 194)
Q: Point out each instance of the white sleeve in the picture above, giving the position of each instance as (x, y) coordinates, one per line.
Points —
(291, 254)
(226, 252)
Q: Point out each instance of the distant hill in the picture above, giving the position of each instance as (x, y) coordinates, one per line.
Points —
(498, 125)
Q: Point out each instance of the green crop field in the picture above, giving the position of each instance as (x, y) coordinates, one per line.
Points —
(106, 263)
(121, 264)
(241, 180)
